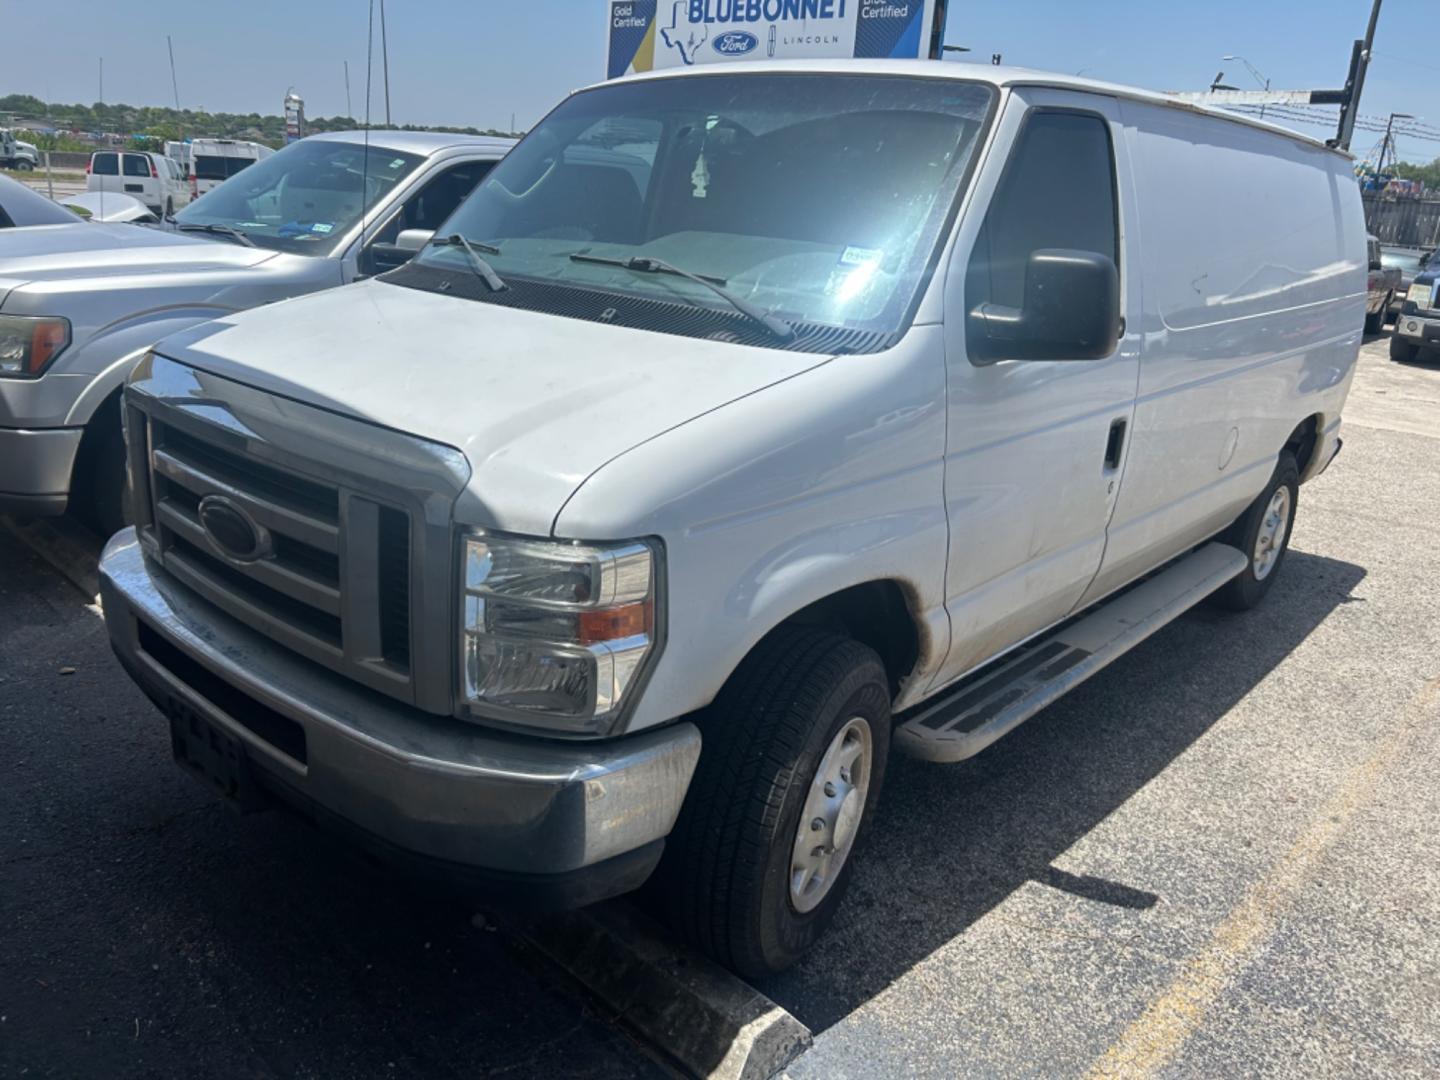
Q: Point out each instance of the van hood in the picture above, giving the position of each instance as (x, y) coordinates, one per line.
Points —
(536, 402)
(95, 250)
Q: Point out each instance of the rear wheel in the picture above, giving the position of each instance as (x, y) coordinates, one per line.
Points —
(1263, 534)
(789, 775)
(1375, 321)
(1402, 350)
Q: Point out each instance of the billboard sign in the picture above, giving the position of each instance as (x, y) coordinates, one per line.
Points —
(647, 35)
(294, 117)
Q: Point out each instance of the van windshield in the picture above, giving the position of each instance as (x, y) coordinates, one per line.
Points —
(818, 198)
(305, 199)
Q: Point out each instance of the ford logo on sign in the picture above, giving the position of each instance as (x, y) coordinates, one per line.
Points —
(735, 43)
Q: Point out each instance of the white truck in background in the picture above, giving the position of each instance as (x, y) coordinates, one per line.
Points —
(213, 161)
(17, 154)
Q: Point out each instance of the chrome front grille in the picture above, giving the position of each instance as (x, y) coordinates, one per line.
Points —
(355, 522)
(299, 584)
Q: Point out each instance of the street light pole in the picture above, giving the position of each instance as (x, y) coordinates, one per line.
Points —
(1259, 78)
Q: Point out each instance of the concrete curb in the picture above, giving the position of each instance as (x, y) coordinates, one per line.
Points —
(700, 1015)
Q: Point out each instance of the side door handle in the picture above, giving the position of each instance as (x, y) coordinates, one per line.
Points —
(1115, 444)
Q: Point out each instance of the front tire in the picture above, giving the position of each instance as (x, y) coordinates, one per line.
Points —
(104, 488)
(1402, 350)
(1263, 534)
(790, 772)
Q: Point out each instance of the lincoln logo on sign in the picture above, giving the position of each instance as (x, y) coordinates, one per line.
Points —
(735, 43)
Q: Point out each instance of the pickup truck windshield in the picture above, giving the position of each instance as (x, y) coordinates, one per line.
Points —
(304, 199)
(820, 199)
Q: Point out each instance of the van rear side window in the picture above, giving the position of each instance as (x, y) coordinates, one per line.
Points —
(1058, 191)
(211, 167)
(135, 165)
(105, 165)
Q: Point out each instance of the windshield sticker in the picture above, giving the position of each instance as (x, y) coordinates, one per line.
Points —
(395, 164)
(251, 225)
(322, 227)
(859, 256)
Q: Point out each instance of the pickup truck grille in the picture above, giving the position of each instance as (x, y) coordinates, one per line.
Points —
(328, 534)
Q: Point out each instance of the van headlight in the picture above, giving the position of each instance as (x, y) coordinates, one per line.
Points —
(28, 344)
(556, 635)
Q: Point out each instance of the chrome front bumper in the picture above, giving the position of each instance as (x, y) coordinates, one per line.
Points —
(35, 468)
(422, 785)
(1419, 328)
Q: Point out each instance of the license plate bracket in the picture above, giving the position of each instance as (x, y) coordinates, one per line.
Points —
(218, 758)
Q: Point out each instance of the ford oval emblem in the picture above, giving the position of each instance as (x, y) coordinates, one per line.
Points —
(233, 532)
(735, 43)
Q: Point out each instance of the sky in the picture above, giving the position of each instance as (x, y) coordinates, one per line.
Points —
(477, 62)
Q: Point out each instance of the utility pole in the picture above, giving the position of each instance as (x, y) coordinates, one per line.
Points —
(1359, 62)
(175, 86)
(349, 111)
(102, 81)
(385, 60)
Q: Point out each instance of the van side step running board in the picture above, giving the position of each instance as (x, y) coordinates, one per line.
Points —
(977, 712)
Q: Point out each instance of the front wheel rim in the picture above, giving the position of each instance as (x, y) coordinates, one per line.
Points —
(830, 819)
(1270, 540)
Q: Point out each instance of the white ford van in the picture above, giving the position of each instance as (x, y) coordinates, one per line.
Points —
(742, 428)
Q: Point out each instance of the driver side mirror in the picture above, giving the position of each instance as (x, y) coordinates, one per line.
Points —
(1071, 312)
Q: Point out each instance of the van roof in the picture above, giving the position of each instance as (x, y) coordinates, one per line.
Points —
(995, 75)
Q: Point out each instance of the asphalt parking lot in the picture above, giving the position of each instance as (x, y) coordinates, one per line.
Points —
(1219, 857)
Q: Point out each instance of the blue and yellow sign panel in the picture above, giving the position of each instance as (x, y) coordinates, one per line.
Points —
(646, 35)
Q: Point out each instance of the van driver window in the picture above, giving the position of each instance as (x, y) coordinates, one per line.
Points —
(1057, 191)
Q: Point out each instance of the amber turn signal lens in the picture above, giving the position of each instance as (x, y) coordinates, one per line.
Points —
(612, 624)
(48, 338)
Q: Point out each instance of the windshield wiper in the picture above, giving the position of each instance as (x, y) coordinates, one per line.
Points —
(483, 270)
(778, 327)
(218, 229)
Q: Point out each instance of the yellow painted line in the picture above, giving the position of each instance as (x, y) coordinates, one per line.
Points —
(1171, 1018)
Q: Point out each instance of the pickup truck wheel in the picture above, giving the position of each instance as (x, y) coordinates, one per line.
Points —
(1262, 533)
(104, 483)
(1403, 350)
(1375, 321)
(790, 771)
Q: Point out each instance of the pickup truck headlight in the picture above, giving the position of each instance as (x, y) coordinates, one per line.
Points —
(556, 635)
(1420, 294)
(28, 345)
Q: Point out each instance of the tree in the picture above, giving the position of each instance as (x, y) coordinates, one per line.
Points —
(1429, 173)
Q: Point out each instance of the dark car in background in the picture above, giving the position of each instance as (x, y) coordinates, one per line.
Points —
(1417, 327)
(1410, 261)
(1381, 289)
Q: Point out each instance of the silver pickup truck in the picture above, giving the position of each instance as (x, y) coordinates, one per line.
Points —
(80, 303)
